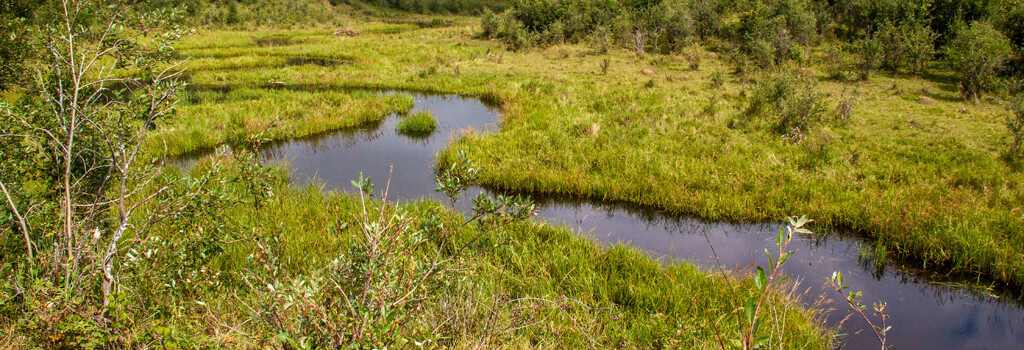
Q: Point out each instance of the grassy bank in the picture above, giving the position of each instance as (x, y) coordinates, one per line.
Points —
(234, 256)
(914, 167)
(258, 270)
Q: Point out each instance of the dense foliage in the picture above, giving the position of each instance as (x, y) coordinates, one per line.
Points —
(901, 36)
(977, 53)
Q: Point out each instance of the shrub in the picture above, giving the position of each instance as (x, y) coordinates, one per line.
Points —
(770, 30)
(791, 101)
(707, 18)
(1015, 124)
(418, 125)
(860, 18)
(908, 46)
(834, 57)
(977, 53)
(13, 50)
(601, 39)
(869, 54)
(505, 27)
(642, 25)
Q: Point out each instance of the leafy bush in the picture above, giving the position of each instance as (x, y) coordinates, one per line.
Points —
(640, 24)
(397, 266)
(418, 124)
(233, 13)
(1015, 124)
(505, 27)
(439, 6)
(861, 18)
(790, 102)
(770, 30)
(907, 46)
(706, 16)
(13, 49)
(869, 54)
(977, 53)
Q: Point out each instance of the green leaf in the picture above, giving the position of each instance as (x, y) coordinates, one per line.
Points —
(785, 256)
(749, 310)
(760, 280)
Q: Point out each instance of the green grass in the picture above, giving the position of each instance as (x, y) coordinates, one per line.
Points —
(418, 124)
(212, 115)
(583, 294)
(928, 181)
(614, 296)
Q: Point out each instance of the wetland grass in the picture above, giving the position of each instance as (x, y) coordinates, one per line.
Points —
(591, 295)
(928, 182)
(509, 278)
(212, 116)
(419, 124)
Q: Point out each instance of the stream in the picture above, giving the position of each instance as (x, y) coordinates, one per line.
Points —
(925, 314)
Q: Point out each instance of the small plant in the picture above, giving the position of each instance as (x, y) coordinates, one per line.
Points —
(749, 315)
(1015, 124)
(717, 79)
(605, 63)
(639, 41)
(398, 263)
(419, 124)
(834, 62)
(694, 55)
(852, 298)
(763, 281)
(601, 39)
(845, 108)
(908, 46)
(791, 101)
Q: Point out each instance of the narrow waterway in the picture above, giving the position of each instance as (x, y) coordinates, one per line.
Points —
(925, 314)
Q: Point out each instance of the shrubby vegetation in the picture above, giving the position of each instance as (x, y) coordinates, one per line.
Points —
(900, 36)
(791, 102)
(977, 53)
(436, 6)
(1015, 123)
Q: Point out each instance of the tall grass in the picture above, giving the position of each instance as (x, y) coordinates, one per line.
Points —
(525, 284)
(418, 124)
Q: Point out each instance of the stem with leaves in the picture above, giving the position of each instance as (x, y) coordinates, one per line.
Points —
(853, 299)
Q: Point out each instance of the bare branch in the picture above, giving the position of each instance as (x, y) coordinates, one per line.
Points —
(21, 220)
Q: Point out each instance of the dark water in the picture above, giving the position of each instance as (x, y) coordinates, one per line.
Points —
(924, 314)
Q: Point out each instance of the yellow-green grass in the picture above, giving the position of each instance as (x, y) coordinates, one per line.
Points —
(214, 115)
(926, 179)
(609, 296)
(418, 124)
